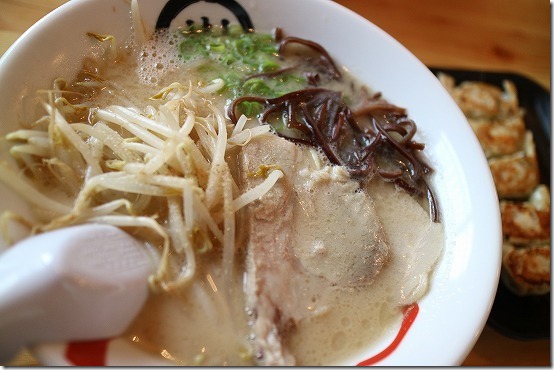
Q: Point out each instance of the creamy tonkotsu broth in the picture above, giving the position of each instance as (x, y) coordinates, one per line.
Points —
(274, 245)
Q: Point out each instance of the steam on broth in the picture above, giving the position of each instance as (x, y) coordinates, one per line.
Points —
(285, 204)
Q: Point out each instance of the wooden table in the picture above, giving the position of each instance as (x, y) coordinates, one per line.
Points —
(487, 35)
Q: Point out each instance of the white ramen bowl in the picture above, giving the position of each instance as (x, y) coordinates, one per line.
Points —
(453, 313)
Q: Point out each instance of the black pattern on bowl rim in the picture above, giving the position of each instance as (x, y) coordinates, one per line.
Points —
(173, 7)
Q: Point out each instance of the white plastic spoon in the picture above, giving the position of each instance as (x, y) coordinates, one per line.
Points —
(79, 283)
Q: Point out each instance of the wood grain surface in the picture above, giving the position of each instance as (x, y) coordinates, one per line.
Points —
(484, 35)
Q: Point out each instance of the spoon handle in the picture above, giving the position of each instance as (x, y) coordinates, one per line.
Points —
(79, 283)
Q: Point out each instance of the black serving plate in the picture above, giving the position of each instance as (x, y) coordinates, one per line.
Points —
(518, 317)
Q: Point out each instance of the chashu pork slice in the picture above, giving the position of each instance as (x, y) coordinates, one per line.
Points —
(288, 273)
(269, 259)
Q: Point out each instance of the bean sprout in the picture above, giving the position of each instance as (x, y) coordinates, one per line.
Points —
(124, 159)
